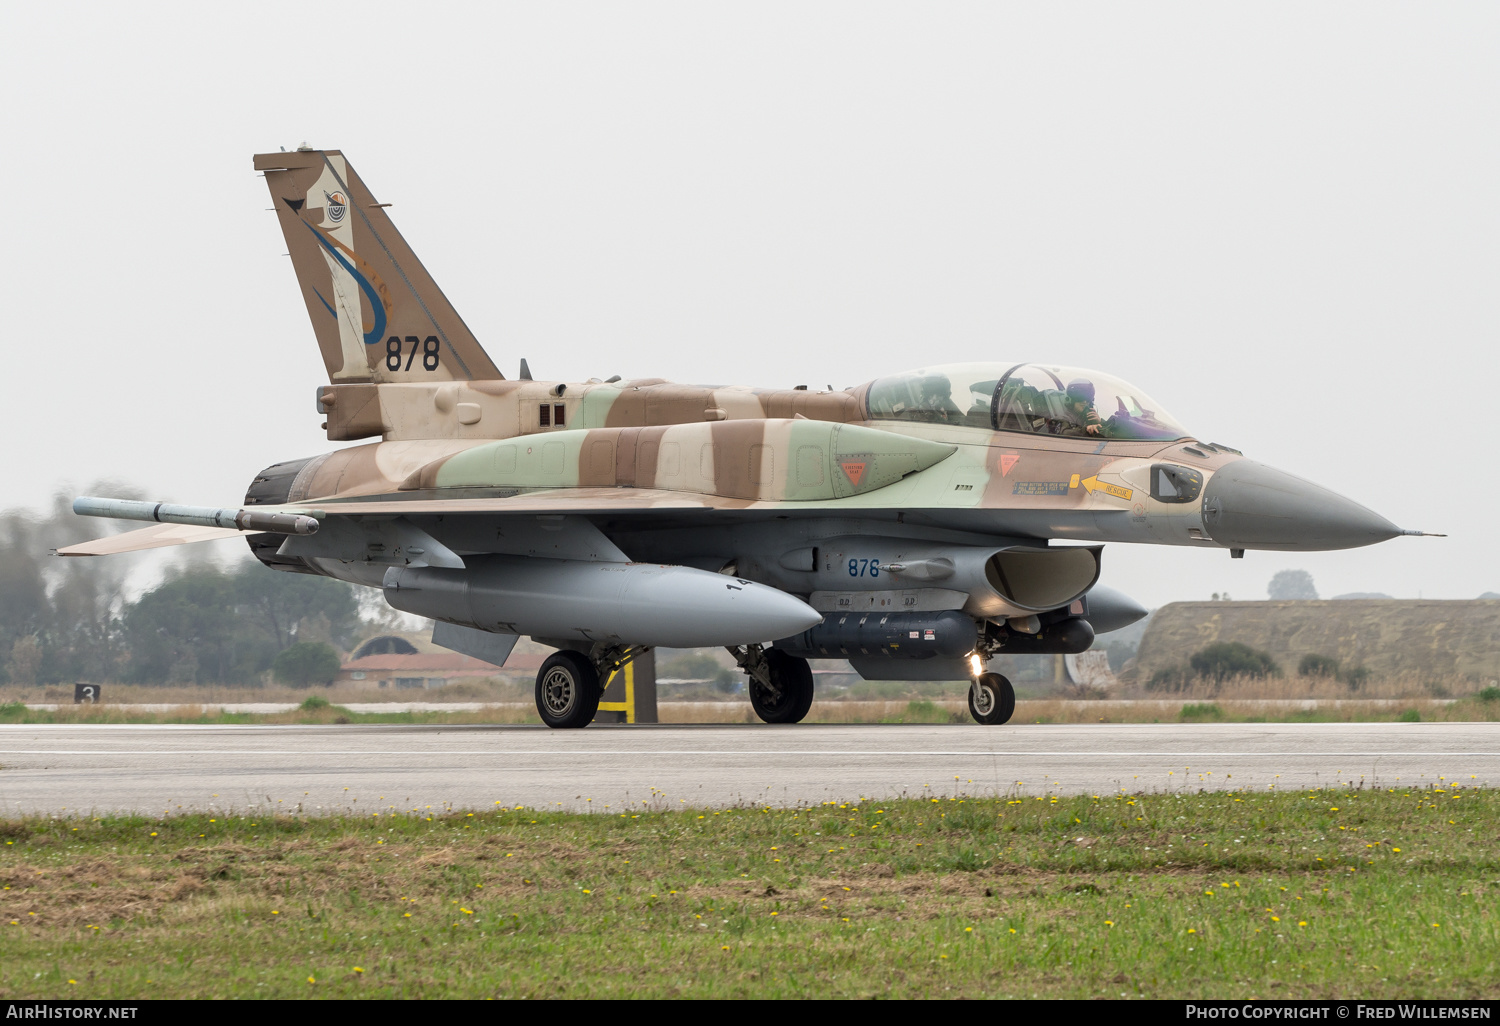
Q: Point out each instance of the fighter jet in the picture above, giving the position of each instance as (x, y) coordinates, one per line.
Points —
(918, 525)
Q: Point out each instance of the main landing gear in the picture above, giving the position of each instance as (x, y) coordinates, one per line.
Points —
(991, 699)
(570, 684)
(567, 690)
(781, 686)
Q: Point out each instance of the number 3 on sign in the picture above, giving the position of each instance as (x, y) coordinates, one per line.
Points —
(864, 568)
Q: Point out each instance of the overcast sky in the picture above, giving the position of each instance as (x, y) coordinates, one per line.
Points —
(1278, 219)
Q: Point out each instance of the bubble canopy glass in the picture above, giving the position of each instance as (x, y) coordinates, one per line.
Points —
(1034, 398)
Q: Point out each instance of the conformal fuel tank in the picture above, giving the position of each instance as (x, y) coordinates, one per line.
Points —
(629, 603)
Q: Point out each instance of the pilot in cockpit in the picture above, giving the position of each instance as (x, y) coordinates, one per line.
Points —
(934, 398)
(1083, 418)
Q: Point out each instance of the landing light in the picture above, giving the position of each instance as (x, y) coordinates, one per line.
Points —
(976, 665)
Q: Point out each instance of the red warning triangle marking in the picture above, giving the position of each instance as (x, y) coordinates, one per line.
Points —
(1006, 462)
(855, 471)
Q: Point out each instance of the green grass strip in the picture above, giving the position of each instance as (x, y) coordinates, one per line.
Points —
(1307, 894)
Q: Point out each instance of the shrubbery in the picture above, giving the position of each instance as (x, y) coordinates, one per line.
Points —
(1216, 663)
(1314, 665)
(1224, 659)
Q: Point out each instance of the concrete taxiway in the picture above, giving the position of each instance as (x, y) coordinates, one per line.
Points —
(317, 769)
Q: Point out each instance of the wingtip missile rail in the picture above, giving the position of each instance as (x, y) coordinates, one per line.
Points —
(258, 521)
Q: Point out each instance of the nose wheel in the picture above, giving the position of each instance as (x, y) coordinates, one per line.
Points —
(567, 690)
(991, 699)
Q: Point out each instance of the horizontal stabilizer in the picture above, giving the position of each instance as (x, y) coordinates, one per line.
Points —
(157, 536)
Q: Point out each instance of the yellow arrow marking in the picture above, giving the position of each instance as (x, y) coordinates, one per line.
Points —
(1093, 484)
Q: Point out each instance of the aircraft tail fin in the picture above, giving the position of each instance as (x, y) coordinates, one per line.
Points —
(377, 313)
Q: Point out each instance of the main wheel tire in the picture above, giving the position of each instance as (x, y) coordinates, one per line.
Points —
(996, 699)
(567, 690)
(793, 677)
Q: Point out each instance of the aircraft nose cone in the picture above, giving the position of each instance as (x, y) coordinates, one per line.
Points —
(1248, 505)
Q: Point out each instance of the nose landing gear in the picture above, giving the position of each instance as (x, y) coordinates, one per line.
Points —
(991, 699)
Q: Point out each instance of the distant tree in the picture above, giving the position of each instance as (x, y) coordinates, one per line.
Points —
(278, 602)
(203, 624)
(69, 607)
(25, 660)
(184, 631)
(306, 663)
(1292, 584)
(209, 625)
(1226, 659)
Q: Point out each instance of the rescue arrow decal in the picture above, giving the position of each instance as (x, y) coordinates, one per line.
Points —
(1093, 484)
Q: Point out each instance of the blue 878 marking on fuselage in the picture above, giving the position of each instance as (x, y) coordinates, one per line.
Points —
(864, 568)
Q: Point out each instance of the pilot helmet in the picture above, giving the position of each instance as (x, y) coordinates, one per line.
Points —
(1081, 390)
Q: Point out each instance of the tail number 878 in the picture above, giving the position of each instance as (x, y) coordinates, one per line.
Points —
(429, 347)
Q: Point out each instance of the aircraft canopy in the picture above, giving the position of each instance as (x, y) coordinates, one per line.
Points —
(1029, 397)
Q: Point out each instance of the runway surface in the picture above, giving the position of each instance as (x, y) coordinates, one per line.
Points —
(154, 768)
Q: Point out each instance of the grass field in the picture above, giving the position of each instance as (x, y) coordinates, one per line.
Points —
(1308, 894)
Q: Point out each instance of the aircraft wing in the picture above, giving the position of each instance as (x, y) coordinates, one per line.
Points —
(184, 525)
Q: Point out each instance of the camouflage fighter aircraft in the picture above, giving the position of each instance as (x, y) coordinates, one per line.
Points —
(907, 524)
